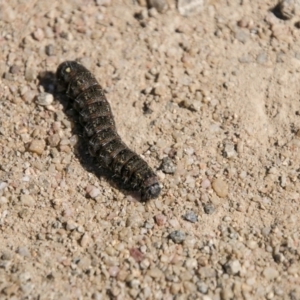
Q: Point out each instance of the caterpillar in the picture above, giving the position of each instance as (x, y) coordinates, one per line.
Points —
(95, 115)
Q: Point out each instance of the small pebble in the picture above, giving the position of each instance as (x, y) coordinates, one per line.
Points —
(177, 236)
(84, 263)
(229, 150)
(202, 287)
(207, 272)
(136, 254)
(28, 96)
(167, 166)
(227, 219)
(152, 12)
(191, 263)
(192, 105)
(71, 225)
(73, 140)
(14, 69)
(25, 179)
(44, 99)
(54, 140)
(245, 22)
(195, 105)
(93, 191)
(113, 271)
(287, 9)
(232, 267)
(209, 208)
(220, 187)
(174, 223)
(189, 286)
(3, 185)
(23, 251)
(159, 5)
(190, 216)
(23, 213)
(205, 183)
(279, 257)
(190, 7)
(160, 219)
(38, 34)
(144, 264)
(56, 126)
(134, 284)
(37, 146)
(103, 2)
(85, 240)
(155, 273)
(149, 224)
(29, 74)
(50, 50)
(252, 245)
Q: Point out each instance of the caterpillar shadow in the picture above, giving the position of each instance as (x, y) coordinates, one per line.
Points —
(90, 164)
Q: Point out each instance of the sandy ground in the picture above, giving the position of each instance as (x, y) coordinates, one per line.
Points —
(211, 101)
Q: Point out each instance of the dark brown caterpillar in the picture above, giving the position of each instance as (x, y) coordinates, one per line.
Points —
(99, 125)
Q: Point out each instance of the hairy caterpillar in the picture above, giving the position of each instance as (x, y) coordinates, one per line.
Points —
(99, 125)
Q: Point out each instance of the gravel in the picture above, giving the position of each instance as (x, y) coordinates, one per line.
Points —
(209, 208)
(220, 187)
(167, 166)
(206, 93)
(191, 217)
(44, 99)
(37, 146)
(177, 236)
(232, 267)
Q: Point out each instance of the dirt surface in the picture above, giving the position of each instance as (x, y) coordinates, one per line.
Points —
(211, 102)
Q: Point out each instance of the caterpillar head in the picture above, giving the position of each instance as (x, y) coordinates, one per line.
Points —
(66, 70)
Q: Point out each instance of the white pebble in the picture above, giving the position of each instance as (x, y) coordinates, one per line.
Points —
(2, 185)
(232, 267)
(26, 178)
(92, 191)
(44, 99)
(191, 263)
